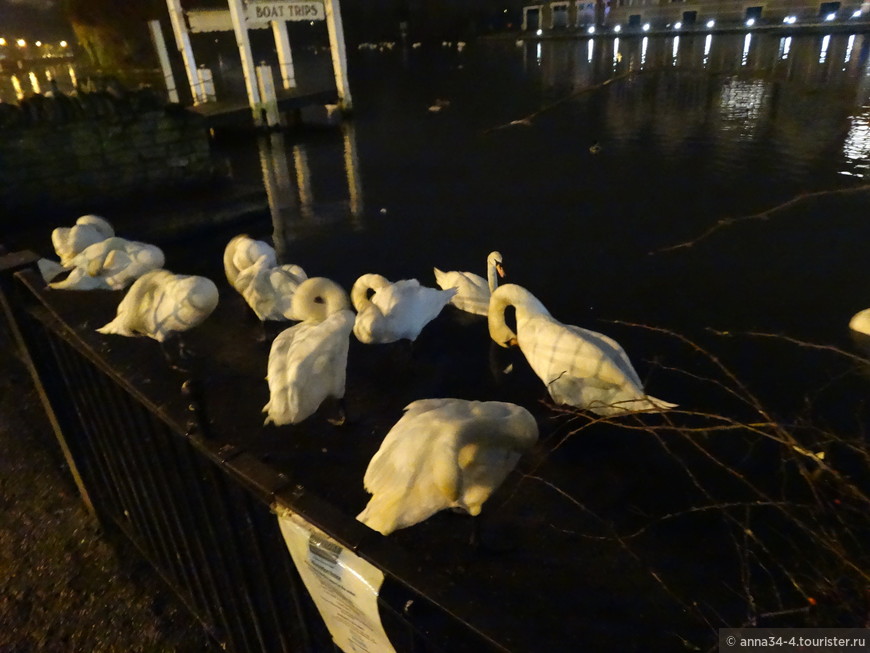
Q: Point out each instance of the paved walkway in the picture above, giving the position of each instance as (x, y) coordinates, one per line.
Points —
(63, 586)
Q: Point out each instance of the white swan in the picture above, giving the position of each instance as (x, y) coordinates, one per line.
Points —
(252, 269)
(473, 290)
(268, 289)
(160, 304)
(395, 310)
(242, 252)
(444, 453)
(860, 322)
(88, 230)
(112, 264)
(580, 368)
(308, 361)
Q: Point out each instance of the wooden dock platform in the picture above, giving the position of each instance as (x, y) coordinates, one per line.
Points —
(237, 112)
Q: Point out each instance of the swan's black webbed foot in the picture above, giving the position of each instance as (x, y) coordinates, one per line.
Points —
(339, 413)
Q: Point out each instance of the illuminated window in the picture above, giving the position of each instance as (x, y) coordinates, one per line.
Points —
(754, 13)
(827, 8)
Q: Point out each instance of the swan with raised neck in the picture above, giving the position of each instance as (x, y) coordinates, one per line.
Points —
(473, 291)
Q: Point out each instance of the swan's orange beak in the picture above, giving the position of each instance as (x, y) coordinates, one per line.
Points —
(500, 270)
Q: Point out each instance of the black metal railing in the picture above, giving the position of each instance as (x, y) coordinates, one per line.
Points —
(201, 511)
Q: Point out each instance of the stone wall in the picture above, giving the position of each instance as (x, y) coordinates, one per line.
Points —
(95, 149)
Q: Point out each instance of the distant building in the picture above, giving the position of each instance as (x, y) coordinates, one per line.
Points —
(568, 15)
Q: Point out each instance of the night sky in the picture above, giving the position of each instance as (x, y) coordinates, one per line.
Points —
(33, 19)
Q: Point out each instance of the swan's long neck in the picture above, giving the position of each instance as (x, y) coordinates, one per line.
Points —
(492, 276)
(318, 298)
(359, 294)
(522, 300)
(493, 270)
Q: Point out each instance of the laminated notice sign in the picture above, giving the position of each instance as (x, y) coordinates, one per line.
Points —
(344, 586)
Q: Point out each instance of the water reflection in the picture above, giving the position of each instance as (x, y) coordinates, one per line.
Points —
(849, 47)
(856, 149)
(752, 88)
(289, 180)
(747, 42)
(34, 82)
(40, 78)
(16, 86)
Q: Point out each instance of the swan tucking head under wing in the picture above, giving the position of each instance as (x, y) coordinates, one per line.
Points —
(160, 304)
(444, 453)
(308, 361)
(111, 264)
(70, 241)
(242, 252)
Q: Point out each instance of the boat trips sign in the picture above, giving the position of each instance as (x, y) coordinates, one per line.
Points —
(258, 15)
(268, 10)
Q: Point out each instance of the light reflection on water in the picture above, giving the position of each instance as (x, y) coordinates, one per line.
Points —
(857, 146)
(771, 100)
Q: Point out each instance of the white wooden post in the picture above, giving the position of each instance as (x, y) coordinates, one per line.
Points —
(182, 40)
(285, 55)
(207, 80)
(268, 99)
(240, 28)
(339, 56)
(163, 57)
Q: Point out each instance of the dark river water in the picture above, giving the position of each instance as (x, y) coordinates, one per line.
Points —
(587, 189)
(708, 186)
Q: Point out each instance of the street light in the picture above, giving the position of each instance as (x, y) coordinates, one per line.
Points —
(63, 44)
(2, 41)
(21, 43)
(38, 44)
(710, 24)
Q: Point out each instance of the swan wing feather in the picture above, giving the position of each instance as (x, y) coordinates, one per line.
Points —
(443, 453)
(307, 363)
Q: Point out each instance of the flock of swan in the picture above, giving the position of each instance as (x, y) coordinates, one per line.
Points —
(443, 452)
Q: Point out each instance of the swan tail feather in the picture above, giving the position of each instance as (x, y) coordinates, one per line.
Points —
(118, 327)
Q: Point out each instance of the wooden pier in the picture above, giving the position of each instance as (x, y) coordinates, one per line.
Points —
(237, 113)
